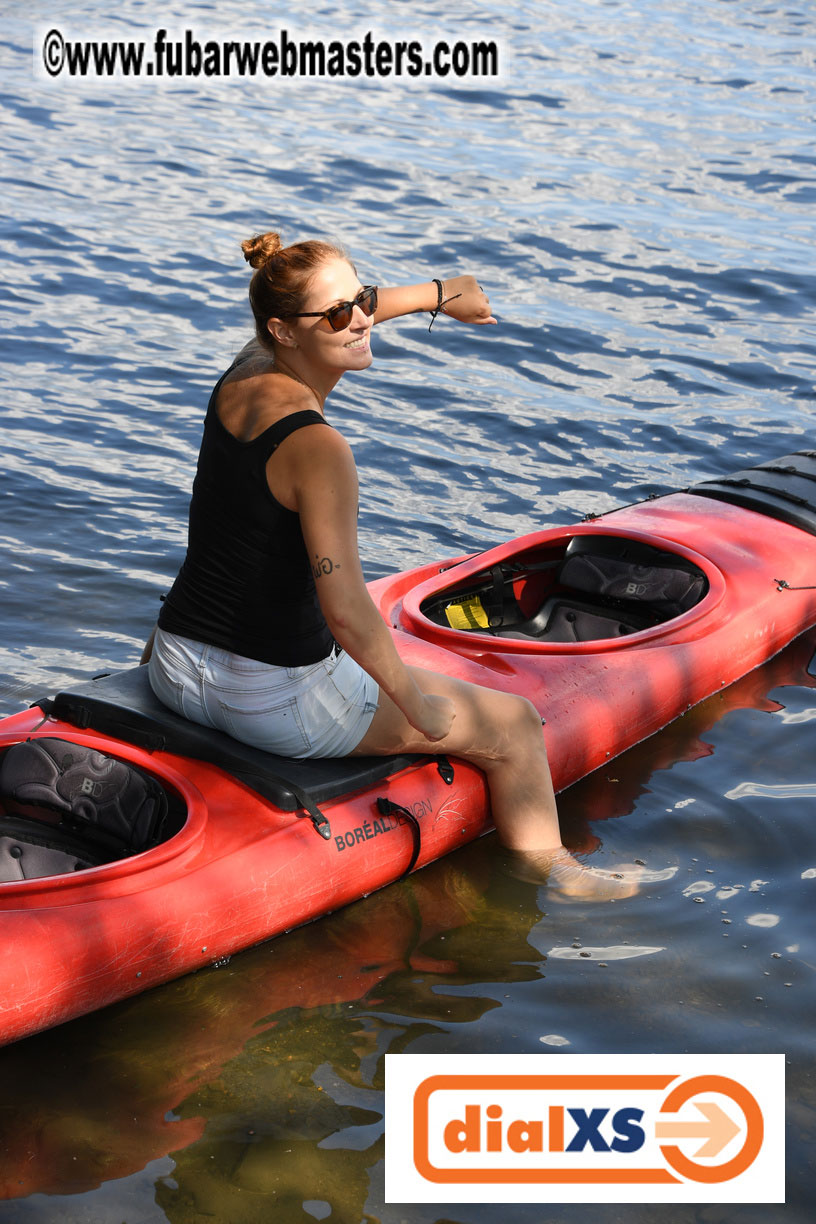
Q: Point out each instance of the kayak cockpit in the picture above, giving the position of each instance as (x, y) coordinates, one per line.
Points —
(50, 826)
(66, 806)
(581, 588)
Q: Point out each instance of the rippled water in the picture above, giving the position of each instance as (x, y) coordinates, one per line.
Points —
(637, 194)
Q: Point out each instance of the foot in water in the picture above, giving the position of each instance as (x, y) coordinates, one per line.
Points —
(570, 880)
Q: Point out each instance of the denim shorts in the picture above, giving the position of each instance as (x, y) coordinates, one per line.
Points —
(319, 710)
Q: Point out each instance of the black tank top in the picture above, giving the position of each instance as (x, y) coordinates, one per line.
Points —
(246, 583)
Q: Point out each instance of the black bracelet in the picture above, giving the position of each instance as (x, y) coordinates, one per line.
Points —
(440, 302)
(434, 313)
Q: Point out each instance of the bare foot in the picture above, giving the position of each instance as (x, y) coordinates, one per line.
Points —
(570, 880)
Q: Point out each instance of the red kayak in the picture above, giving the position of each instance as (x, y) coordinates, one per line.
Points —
(139, 846)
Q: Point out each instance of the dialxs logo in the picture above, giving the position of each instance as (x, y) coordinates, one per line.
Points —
(585, 1128)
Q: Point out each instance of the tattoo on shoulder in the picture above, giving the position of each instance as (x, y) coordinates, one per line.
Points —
(324, 565)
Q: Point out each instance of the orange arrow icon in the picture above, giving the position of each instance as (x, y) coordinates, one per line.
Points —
(718, 1130)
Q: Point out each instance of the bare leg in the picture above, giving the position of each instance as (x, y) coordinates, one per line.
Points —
(501, 734)
(498, 732)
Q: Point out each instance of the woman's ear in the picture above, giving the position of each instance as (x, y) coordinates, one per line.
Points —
(282, 333)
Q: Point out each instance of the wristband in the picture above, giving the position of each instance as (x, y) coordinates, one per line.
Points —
(439, 296)
(440, 302)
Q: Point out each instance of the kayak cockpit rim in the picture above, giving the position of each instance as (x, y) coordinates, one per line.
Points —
(425, 610)
(124, 873)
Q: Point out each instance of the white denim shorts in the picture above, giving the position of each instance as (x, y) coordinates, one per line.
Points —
(319, 710)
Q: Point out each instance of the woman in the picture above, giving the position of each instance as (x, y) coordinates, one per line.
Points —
(269, 632)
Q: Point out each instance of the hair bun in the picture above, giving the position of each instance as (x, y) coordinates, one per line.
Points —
(259, 250)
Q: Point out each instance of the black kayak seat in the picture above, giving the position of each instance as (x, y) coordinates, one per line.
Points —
(124, 706)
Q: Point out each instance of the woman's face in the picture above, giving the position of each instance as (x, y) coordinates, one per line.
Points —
(338, 351)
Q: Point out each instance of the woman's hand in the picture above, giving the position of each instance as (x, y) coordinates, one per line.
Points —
(464, 299)
(434, 718)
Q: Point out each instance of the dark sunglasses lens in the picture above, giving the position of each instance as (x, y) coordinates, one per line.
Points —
(340, 316)
(367, 300)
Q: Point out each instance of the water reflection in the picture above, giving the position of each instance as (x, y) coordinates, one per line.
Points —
(270, 1018)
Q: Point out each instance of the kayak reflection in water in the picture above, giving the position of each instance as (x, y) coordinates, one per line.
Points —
(269, 632)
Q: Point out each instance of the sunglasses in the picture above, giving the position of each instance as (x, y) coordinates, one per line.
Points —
(339, 317)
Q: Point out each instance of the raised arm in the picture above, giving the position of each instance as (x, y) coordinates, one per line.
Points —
(324, 481)
(462, 298)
